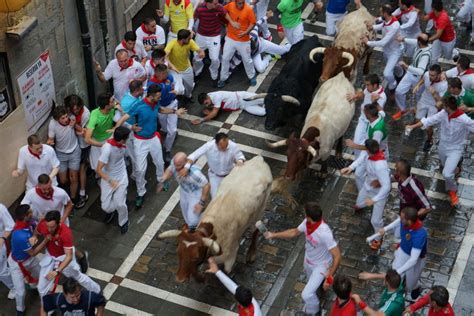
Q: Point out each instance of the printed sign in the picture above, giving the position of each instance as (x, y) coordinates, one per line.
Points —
(5, 106)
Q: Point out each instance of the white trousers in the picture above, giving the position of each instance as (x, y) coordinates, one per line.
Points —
(466, 13)
(5, 276)
(331, 21)
(294, 34)
(413, 274)
(213, 45)
(171, 36)
(214, 181)
(425, 110)
(316, 276)
(94, 155)
(442, 49)
(230, 47)
(183, 81)
(115, 200)
(449, 159)
(268, 47)
(408, 81)
(391, 60)
(49, 263)
(33, 266)
(169, 124)
(377, 213)
(187, 201)
(360, 135)
(254, 107)
(143, 147)
(261, 8)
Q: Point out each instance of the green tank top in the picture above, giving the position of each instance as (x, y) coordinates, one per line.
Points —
(379, 126)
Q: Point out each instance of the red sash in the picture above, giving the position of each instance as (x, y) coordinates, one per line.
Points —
(26, 274)
(246, 311)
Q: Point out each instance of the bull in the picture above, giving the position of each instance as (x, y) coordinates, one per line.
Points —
(327, 121)
(239, 204)
(348, 49)
(289, 94)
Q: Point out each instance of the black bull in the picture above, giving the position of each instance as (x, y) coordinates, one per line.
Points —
(294, 84)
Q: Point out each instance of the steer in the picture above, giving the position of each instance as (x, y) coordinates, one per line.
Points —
(239, 204)
(289, 95)
(327, 121)
(348, 48)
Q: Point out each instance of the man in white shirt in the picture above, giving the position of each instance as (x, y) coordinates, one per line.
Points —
(6, 228)
(322, 255)
(466, 14)
(193, 189)
(222, 155)
(113, 172)
(407, 15)
(455, 127)
(392, 49)
(413, 72)
(434, 85)
(247, 304)
(229, 101)
(151, 35)
(122, 70)
(46, 197)
(36, 159)
(373, 92)
(376, 187)
(62, 134)
(463, 71)
(134, 48)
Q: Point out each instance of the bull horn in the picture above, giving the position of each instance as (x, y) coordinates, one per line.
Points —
(290, 99)
(211, 244)
(348, 56)
(277, 144)
(317, 50)
(256, 96)
(169, 234)
(312, 151)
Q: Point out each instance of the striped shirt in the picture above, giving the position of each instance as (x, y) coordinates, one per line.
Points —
(194, 181)
(412, 194)
(210, 20)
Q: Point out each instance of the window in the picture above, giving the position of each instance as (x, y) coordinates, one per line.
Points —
(7, 101)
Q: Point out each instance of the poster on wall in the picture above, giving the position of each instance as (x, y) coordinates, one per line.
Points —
(5, 106)
(37, 91)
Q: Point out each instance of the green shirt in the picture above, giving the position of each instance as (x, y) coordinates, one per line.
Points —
(392, 303)
(378, 127)
(100, 123)
(466, 97)
(290, 12)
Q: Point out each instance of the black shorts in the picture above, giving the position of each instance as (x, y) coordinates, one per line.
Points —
(85, 154)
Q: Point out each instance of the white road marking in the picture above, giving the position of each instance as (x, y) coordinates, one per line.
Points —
(125, 310)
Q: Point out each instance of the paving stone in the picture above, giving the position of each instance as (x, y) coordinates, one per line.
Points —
(272, 250)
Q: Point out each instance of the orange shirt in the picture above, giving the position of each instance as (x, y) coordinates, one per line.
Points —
(245, 17)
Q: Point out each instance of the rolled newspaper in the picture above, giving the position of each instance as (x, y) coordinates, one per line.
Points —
(372, 237)
(261, 227)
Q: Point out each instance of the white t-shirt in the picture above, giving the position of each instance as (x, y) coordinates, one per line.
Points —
(84, 120)
(122, 77)
(65, 139)
(6, 221)
(113, 158)
(229, 100)
(158, 38)
(40, 206)
(34, 166)
(138, 50)
(426, 98)
(318, 244)
(368, 100)
(467, 77)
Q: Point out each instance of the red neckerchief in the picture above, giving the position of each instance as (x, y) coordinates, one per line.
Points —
(152, 64)
(455, 114)
(467, 72)
(403, 12)
(145, 30)
(129, 64)
(124, 45)
(68, 121)
(19, 225)
(311, 227)
(44, 196)
(152, 105)
(380, 91)
(36, 155)
(377, 156)
(156, 80)
(79, 116)
(115, 143)
(392, 20)
(246, 311)
(415, 226)
(436, 81)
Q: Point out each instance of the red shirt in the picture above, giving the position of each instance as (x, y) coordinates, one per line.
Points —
(210, 21)
(348, 308)
(62, 239)
(442, 22)
(425, 300)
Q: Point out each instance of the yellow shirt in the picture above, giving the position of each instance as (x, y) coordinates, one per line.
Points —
(179, 54)
(179, 15)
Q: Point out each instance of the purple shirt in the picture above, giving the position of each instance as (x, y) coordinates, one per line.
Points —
(412, 194)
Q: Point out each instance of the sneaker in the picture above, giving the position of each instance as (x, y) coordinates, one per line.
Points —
(398, 115)
(82, 201)
(139, 201)
(18, 313)
(455, 55)
(454, 198)
(84, 262)
(276, 57)
(415, 293)
(427, 146)
(220, 84)
(376, 244)
(109, 217)
(11, 295)
(124, 228)
(253, 81)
